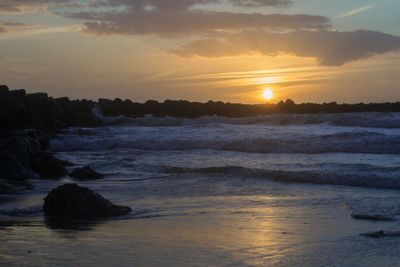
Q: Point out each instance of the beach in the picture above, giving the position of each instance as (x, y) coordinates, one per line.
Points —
(275, 190)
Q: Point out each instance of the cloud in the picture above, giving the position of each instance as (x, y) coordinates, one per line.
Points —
(9, 27)
(174, 5)
(258, 3)
(218, 33)
(16, 24)
(22, 6)
(357, 11)
(331, 48)
(167, 18)
(199, 22)
(183, 17)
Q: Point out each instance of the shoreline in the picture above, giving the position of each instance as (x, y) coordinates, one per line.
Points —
(42, 112)
(28, 121)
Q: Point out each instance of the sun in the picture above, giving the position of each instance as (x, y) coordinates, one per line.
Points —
(268, 94)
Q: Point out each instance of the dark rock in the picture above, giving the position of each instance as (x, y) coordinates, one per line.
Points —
(62, 100)
(18, 94)
(372, 217)
(86, 173)
(19, 147)
(49, 167)
(13, 175)
(44, 140)
(71, 201)
(4, 89)
(38, 96)
(12, 169)
(67, 163)
(382, 233)
(23, 147)
(104, 101)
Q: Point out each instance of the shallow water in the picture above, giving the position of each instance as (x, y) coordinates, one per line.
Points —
(266, 191)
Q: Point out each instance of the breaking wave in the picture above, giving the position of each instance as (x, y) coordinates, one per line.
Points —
(343, 142)
(368, 119)
(366, 179)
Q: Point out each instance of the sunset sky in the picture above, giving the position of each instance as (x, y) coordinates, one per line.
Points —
(229, 50)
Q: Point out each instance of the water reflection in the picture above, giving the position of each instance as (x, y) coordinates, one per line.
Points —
(67, 224)
(292, 230)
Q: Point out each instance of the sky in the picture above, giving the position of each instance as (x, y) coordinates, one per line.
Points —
(200, 50)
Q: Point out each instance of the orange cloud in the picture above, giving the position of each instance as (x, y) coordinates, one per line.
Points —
(331, 48)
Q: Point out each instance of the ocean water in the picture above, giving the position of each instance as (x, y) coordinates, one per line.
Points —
(274, 190)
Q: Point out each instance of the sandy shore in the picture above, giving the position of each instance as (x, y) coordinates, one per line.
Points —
(294, 225)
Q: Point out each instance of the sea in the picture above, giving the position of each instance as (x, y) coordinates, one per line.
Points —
(273, 190)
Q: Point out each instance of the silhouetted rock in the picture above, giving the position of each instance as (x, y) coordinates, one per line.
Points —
(71, 201)
(49, 167)
(17, 148)
(4, 89)
(86, 173)
(39, 111)
(67, 163)
(13, 175)
(372, 217)
(18, 94)
(382, 233)
(38, 96)
(12, 169)
(23, 147)
(62, 100)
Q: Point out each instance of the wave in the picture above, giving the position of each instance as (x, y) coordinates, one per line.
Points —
(369, 180)
(347, 142)
(367, 119)
(22, 212)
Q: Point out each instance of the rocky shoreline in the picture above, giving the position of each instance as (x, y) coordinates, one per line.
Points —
(29, 121)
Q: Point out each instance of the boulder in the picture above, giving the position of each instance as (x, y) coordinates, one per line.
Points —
(4, 88)
(71, 201)
(23, 147)
(62, 100)
(38, 96)
(86, 173)
(18, 94)
(48, 166)
(382, 233)
(13, 175)
(372, 217)
(12, 169)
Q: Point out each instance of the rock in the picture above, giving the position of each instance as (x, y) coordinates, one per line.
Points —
(12, 169)
(372, 217)
(13, 175)
(382, 233)
(23, 147)
(86, 173)
(4, 89)
(62, 100)
(16, 151)
(67, 163)
(49, 167)
(38, 96)
(71, 201)
(18, 94)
